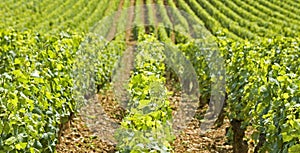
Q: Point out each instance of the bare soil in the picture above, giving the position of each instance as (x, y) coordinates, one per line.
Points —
(95, 133)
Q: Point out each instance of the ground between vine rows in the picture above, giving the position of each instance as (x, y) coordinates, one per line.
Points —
(79, 138)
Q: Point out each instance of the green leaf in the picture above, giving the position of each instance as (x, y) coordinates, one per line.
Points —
(1, 126)
(259, 107)
(10, 140)
(18, 73)
(32, 150)
(21, 145)
(17, 61)
(280, 78)
(285, 96)
(30, 103)
(48, 95)
(286, 137)
(294, 149)
(14, 102)
(59, 67)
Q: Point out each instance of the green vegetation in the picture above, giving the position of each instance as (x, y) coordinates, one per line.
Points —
(148, 125)
(41, 43)
(36, 89)
(263, 89)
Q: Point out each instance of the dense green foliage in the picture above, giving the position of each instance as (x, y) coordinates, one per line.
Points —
(36, 89)
(258, 40)
(96, 59)
(263, 83)
(148, 125)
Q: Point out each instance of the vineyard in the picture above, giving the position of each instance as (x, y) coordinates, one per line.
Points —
(150, 76)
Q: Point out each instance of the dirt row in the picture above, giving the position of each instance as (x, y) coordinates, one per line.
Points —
(93, 130)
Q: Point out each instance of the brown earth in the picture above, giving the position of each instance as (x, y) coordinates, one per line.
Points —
(94, 132)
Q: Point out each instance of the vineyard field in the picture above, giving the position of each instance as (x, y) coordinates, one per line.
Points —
(150, 76)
